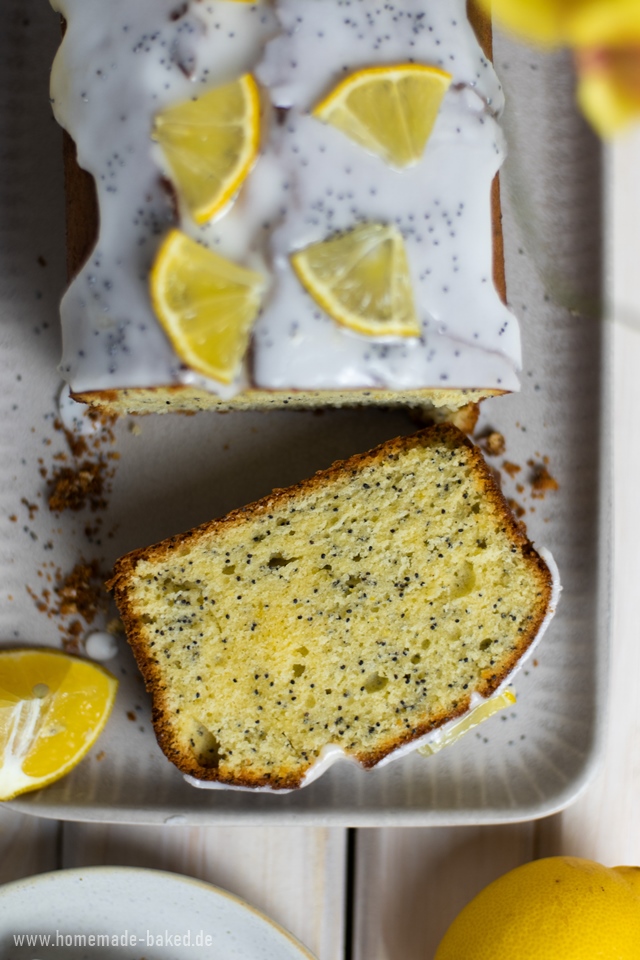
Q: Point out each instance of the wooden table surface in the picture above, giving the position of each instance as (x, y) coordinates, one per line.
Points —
(389, 894)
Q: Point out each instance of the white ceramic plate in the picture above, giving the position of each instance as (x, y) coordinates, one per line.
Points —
(133, 913)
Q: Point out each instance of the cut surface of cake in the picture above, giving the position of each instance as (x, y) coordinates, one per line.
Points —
(123, 81)
(354, 614)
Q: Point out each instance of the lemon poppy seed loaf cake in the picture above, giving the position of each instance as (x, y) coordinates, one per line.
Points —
(201, 286)
(352, 614)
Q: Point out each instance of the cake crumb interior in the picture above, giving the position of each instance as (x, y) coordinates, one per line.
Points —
(362, 611)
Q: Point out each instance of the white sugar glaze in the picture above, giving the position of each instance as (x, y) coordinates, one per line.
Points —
(335, 184)
(121, 62)
(322, 41)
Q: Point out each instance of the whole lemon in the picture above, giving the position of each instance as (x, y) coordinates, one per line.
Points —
(559, 908)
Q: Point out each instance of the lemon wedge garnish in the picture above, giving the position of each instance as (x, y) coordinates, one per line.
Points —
(389, 111)
(361, 278)
(206, 304)
(210, 144)
(500, 701)
(53, 708)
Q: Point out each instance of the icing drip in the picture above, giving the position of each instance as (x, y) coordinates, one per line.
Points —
(119, 64)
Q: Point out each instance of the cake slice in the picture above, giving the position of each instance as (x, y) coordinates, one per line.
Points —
(353, 614)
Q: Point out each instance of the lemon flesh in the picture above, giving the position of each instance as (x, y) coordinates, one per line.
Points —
(609, 88)
(211, 144)
(558, 907)
(206, 305)
(53, 708)
(389, 111)
(480, 713)
(362, 280)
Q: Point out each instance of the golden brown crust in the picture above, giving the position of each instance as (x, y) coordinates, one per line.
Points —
(427, 406)
(125, 570)
(81, 205)
(465, 418)
(499, 277)
(481, 23)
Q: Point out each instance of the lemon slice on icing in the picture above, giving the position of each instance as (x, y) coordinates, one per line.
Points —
(206, 304)
(211, 144)
(361, 278)
(389, 111)
(53, 708)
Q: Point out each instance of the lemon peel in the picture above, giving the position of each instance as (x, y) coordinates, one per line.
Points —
(572, 22)
(543, 21)
(609, 88)
(556, 907)
(53, 708)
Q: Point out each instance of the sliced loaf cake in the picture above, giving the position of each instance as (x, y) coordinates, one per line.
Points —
(361, 608)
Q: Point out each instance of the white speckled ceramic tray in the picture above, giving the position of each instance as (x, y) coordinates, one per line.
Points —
(173, 473)
(120, 912)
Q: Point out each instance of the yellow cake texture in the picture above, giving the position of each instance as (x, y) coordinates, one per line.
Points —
(460, 407)
(359, 609)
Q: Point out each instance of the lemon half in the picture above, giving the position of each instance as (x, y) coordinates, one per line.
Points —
(389, 111)
(557, 908)
(211, 143)
(206, 304)
(362, 280)
(53, 708)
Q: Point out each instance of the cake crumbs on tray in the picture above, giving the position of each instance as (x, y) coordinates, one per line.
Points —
(511, 468)
(82, 590)
(541, 479)
(77, 598)
(84, 483)
(31, 507)
(74, 488)
(492, 442)
(517, 508)
(537, 482)
(80, 444)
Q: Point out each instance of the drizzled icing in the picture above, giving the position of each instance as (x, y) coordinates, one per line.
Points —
(120, 63)
(322, 41)
(336, 184)
(333, 753)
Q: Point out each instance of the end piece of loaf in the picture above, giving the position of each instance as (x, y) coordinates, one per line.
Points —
(361, 608)
(116, 354)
